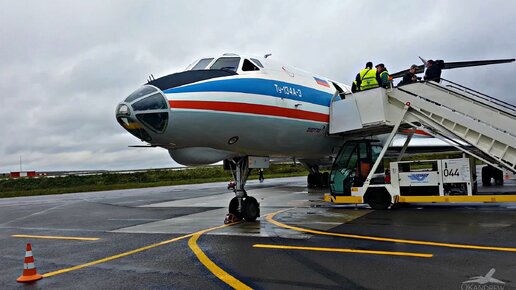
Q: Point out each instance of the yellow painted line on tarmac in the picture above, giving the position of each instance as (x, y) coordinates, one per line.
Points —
(270, 218)
(55, 237)
(343, 250)
(107, 259)
(212, 267)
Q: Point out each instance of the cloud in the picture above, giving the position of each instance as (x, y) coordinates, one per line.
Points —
(66, 64)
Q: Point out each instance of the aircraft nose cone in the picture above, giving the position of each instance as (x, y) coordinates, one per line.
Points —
(144, 113)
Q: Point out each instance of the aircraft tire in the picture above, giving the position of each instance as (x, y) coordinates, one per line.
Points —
(310, 180)
(378, 198)
(250, 209)
(233, 208)
(319, 180)
(325, 180)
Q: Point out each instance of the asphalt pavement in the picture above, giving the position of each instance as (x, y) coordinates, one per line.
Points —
(173, 238)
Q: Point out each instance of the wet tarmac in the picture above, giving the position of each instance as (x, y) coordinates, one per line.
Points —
(171, 238)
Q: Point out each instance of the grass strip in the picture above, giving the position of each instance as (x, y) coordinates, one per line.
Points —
(114, 181)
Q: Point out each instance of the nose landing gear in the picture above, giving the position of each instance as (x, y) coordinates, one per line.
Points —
(249, 208)
(242, 206)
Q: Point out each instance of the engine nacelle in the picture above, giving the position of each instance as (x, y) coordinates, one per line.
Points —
(199, 155)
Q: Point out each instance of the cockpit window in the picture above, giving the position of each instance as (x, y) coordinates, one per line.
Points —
(145, 90)
(257, 62)
(249, 66)
(229, 63)
(202, 63)
(154, 102)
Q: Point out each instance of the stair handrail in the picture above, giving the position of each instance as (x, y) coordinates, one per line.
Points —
(480, 95)
(452, 109)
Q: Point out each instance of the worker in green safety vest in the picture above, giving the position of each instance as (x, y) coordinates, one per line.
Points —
(367, 78)
(385, 78)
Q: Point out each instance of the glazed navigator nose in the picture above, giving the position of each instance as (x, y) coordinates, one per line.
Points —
(144, 113)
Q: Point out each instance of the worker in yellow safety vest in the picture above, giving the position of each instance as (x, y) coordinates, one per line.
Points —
(354, 87)
(367, 78)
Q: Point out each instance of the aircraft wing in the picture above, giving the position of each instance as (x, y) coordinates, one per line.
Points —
(419, 69)
(456, 64)
(459, 64)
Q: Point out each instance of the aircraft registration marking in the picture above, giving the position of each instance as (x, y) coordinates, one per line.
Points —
(287, 90)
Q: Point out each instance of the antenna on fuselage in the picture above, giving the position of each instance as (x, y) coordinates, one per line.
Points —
(267, 55)
(150, 78)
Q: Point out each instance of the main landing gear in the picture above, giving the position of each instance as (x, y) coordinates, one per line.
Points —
(242, 206)
(317, 179)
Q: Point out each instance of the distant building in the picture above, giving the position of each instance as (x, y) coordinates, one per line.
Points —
(18, 174)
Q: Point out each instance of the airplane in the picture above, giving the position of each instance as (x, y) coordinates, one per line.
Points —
(232, 106)
(488, 278)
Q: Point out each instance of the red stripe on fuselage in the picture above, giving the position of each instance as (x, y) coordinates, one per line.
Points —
(250, 109)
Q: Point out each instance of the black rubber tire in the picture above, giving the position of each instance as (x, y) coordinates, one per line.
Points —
(250, 209)
(378, 198)
(325, 180)
(486, 176)
(233, 208)
(319, 183)
(498, 176)
(310, 181)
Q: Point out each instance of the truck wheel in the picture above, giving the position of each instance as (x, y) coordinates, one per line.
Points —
(498, 176)
(378, 198)
(486, 176)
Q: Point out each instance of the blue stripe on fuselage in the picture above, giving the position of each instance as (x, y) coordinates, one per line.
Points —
(259, 87)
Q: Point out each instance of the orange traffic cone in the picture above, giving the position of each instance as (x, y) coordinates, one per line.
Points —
(29, 270)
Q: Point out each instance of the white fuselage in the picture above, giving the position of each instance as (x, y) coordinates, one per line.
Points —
(276, 111)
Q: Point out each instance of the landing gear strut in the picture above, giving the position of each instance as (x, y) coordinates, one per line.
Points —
(242, 206)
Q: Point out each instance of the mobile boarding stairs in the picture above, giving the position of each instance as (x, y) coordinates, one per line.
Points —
(474, 123)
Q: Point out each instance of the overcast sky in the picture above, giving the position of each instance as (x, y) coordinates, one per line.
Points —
(64, 65)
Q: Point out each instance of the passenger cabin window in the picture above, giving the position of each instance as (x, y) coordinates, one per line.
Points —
(249, 66)
(202, 64)
(229, 63)
(257, 62)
